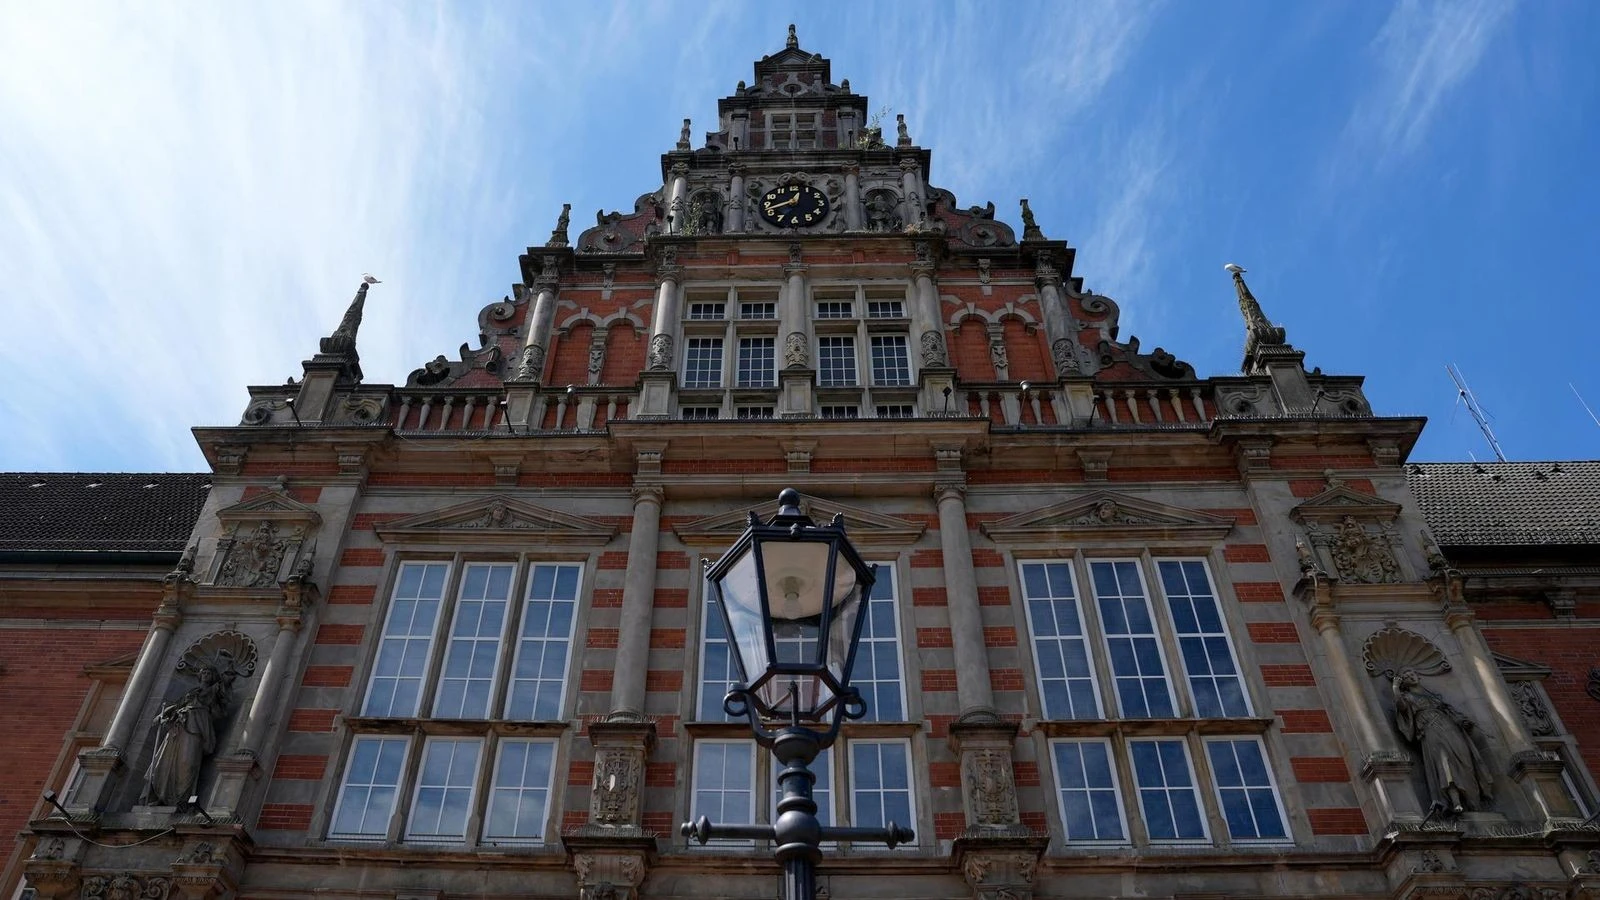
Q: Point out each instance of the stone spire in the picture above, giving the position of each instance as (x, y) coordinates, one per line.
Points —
(1030, 228)
(1259, 333)
(341, 345)
(558, 235)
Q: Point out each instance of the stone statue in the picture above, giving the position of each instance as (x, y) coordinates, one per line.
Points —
(794, 40)
(881, 213)
(1458, 777)
(558, 236)
(186, 734)
(683, 137)
(902, 137)
(1030, 228)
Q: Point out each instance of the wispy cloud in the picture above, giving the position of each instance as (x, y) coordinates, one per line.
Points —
(1425, 51)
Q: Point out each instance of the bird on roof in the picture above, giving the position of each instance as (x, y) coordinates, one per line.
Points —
(366, 278)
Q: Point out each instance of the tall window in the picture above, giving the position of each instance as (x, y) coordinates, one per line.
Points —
(1060, 650)
(724, 783)
(1203, 639)
(499, 658)
(702, 363)
(1130, 634)
(757, 362)
(1103, 654)
(891, 367)
(836, 361)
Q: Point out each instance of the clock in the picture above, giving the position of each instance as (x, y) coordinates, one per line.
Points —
(794, 206)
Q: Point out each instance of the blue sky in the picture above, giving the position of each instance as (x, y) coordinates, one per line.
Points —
(189, 192)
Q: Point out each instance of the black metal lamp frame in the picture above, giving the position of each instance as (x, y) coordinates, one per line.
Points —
(797, 834)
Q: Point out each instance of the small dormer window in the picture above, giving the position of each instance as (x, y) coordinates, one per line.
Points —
(792, 131)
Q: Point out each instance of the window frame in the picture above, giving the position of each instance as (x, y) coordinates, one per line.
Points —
(1206, 743)
(397, 801)
(1085, 637)
(507, 682)
(409, 835)
(1193, 698)
(1203, 814)
(427, 679)
(449, 642)
(886, 363)
(491, 790)
(1112, 757)
(764, 349)
(1158, 634)
(695, 810)
(698, 369)
(853, 773)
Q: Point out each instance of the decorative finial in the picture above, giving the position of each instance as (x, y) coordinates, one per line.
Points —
(558, 236)
(904, 139)
(741, 88)
(683, 137)
(793, 40)
(845, 85)
(1260, 331)
(1030, 228)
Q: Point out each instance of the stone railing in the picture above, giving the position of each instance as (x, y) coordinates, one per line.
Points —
(573, 408)
(1120, 405)
(1153, 404)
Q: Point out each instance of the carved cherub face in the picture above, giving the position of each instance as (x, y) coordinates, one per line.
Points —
(1407, 680)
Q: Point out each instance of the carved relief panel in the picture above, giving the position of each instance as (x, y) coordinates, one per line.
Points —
(265, 539)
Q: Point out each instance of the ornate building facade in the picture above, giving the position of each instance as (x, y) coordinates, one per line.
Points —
(1138, 632)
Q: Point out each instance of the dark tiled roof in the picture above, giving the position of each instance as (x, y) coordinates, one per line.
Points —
(58, 511)
(1504, 504)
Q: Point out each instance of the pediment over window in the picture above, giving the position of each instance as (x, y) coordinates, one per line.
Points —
(497, 520)
(272, 506)
(866, 528)
(1106, 514)
(1339, 501)
(1514, 669)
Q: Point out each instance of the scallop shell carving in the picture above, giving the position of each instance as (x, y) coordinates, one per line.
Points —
(1390, 651)
(223, 651)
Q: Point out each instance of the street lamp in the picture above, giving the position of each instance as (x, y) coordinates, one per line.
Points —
(793, 595)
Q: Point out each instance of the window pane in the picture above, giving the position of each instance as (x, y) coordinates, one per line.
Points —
(1166, 791)
(836, 361)
(1090, 810)
(758, 310)
(1245, 790)
(706, 310)
(877, 670)
(880, 776)
(1134, 650)
(886, 309)
(444, 789)
(371, 781)
(835, 309)
(519, 798)
(717, 672)
(1060, 650)
(702, 363)
(890, 365)
(1207, 657)
(473, 653)
(756, 362)
(407, 640)
(539, 673)
(724, 783)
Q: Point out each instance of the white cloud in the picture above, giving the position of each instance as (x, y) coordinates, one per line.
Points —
(1425, 50)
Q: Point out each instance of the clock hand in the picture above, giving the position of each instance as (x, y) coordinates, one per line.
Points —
(791, 200)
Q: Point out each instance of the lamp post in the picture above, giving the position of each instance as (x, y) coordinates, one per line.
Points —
(793, 595)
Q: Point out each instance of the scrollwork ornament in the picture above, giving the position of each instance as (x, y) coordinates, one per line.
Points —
(1066, 360)
(660, 356)
(1535, 714)
(933, 350)
(795, 353)
(532, 364)
(994, 799)
(1360, 557)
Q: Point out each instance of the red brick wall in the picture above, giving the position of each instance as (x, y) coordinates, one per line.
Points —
(41, 691)
(625, 348)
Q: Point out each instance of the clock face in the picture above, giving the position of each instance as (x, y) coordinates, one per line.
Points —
(794, 206)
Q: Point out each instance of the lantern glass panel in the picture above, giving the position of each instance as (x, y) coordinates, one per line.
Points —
(739, 589)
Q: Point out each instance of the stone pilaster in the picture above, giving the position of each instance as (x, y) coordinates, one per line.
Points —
(961, 587)
(852, 197)
(638, 603)
(660, 378)
(796, 377)
(733, 214)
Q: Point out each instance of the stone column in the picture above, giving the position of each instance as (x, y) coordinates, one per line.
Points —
(935, 375)
(734, 215)
(523, 387)
(795, 375)
(638, 602)
(655, 399)
(961, 588)
(677, 197)
(911, 211)
(852, 197)
(274, 673)
(1537, 771)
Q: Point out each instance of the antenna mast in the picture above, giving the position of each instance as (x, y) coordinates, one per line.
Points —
(1464, 394)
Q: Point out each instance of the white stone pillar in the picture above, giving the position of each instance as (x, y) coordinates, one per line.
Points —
(275, 671)
(1481, 664)
(973, 691)
(677, 199)
(664, 321)
(911, 187)
(638, 603)
(925, 317)
(143, 676)
(793, 313)
(852, 197)
(1057, 323)
(733, 218)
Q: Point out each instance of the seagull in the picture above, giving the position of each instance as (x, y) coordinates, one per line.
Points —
(1234, 268)
(366, 278)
